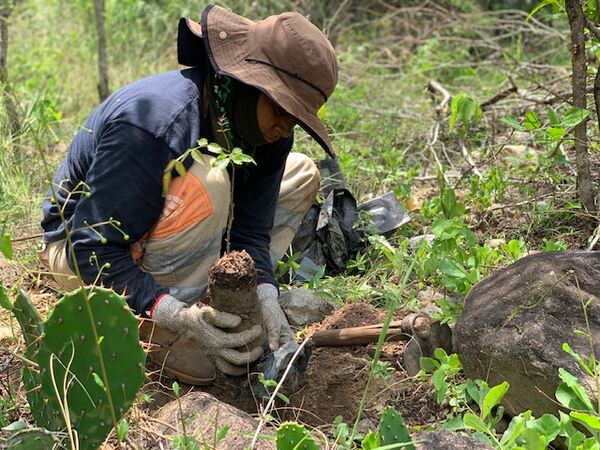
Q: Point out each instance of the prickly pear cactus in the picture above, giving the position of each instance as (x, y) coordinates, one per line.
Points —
(32, 329)
(31, 439)
(393, 430)
(293, 436)
(69, 342)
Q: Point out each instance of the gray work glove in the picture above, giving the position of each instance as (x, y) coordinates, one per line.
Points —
(203, 324)
(276, 325)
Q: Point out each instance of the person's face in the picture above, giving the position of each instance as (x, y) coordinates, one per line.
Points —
(274, 123)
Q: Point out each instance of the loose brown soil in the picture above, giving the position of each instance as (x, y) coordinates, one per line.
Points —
(235, 270)
(336, 378)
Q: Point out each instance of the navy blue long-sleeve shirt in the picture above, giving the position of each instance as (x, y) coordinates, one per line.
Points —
(114, 168)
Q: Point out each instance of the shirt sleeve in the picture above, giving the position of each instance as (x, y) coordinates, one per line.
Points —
(255, 202)
(125, 181)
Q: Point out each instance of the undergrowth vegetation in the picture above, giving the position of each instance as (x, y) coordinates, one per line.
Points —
(463, 112)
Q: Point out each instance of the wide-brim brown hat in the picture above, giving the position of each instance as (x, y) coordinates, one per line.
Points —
(285, 56)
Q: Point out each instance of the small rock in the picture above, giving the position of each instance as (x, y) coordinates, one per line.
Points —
(303, 307)
(415, 241)
(447, 440)
(495, 243)
(204, 415)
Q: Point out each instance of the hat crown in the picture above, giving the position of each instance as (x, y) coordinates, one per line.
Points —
(292, 42)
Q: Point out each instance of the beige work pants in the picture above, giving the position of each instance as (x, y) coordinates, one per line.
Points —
(186, 240)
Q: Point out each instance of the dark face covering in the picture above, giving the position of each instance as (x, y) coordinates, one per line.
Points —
(232, 110)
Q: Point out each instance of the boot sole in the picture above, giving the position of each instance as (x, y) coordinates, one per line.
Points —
(185, 378)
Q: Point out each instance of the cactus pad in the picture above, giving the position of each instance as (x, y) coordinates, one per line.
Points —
(32, 329)
(393, 430)
(31, 439)
(69, 341)
(293, 436)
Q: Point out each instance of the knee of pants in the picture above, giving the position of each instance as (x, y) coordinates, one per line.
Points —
(300, 183)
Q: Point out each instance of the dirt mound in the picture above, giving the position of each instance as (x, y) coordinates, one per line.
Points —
(352, 315)
(336, 377)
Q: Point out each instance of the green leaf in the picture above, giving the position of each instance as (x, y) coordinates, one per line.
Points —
(532, 122)
(180, 168)
(553, 117)
(175, 387)
(428, 364)
(221, 162)
(198, 157)
(547, 425)
(475, 423)
(574, 117)
(451, 269)
(215, 148)
(167, 176)
(441, 354)
(571, 392)
(453, 424)
(515, 428)
(439, 382)
(6, 245)
(555, 133)
(122, 430)
(556, 6)
(222, 433)
(474, 392)
(512, 121)
(493, 398)
(567, 349)
(464, 109)
(283, 398)
(534, 440)
(573, 435)
(592, 421)
(17, 425)
(371, 441)
(202, 142)
(4, 300)
(239, 157)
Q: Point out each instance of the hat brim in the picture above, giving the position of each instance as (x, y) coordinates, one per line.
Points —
(228, 44)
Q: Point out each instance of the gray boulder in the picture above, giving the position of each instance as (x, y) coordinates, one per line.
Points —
(204, 416)
(447, 440)
(515, 322)
(303, 306)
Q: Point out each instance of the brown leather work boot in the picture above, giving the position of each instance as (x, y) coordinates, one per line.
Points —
(179, 358)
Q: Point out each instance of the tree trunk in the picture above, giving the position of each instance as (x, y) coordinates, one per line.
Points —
(579, 65)
(103, 90)
(6, 8)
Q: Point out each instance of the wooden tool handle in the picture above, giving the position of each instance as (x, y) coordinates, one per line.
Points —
(397, 331)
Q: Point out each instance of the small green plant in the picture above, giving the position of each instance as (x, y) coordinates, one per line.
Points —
(271, 384)
(383, 370)
(515, 249)
(465, 114)
(445, 373)
(182, 441)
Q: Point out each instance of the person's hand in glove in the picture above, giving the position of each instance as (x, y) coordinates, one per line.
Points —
(276, 325)
(203, 324)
